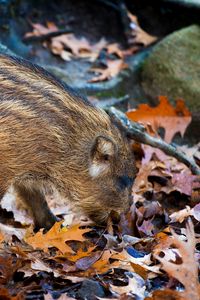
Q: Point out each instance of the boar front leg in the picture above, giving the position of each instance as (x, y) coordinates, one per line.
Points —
(33, 196)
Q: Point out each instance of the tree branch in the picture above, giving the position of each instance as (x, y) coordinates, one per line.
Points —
(137, 133)
(43, 37)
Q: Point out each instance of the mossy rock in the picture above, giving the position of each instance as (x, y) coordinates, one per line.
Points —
(173, 68)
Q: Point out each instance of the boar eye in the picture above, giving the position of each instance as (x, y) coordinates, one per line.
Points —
(124, 182)
(106, 157)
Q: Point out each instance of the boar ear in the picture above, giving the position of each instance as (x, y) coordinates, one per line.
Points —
(101, 153)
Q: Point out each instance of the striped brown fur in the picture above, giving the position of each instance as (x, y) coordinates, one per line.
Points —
(51, 137)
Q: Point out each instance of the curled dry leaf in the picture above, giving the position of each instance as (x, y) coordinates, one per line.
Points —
(187, 271)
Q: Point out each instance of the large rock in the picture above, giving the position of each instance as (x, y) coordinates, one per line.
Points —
(173, 68)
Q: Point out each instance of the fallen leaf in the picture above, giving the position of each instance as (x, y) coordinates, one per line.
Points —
(1, 237)
(196, 212)
(164, 115)
(181, 215)
(39, 29)
(187, 271)
(115, 49)
(7, 232)
(56, 237)
(113, 68)
(166, 294)
(138, 35)
(5, 295)
(80, 254)
(136, 286)
(68, 45)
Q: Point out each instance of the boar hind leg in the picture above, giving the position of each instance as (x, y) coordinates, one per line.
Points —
(34, 198)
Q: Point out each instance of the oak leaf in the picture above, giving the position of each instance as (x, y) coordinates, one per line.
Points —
(39, 29)
(57, 237)
(135, 286)
(187, 271)
(113, 68)
(138, 35)
(164, 115)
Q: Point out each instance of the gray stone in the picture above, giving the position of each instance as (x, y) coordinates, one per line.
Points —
(173, 68)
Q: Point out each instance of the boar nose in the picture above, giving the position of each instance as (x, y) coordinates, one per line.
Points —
(124, 182)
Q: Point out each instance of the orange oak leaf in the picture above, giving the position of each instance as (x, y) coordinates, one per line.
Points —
(80, 254)
(56, 237)
(164, 115)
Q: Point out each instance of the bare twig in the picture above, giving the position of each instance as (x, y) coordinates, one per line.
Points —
(137, 133)
(46, 36)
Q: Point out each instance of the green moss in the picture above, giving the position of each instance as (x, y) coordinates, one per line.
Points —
(173, 68)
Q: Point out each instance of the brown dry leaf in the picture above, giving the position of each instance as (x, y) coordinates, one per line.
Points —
(11, 203)
(68, 45)
(182, 182)
(127, 262)
(77, 46)
(56, 237)
(164, 115)
(103, 264)
(1, 237)
(5, 295)
(142, 183)
(112, 70)
(115, 49)
(187, 271)
(140, 270)
(166, 294)
(8, 232)
(8, 265)
(138, 34)
(181, 215)
(39, 29)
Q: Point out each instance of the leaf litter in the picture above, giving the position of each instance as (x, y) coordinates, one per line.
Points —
(67, 46)
(150, 254)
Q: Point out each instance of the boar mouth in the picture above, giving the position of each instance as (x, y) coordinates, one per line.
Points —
(102, 218)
